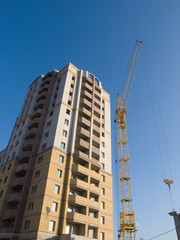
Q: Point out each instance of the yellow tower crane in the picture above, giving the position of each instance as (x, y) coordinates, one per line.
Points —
(127, 229)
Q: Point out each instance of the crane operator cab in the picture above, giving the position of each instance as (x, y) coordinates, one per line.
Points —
(122, 120)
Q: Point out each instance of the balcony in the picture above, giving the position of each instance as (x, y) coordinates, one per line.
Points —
(14, 197)
(94, 189)
(31, 133)
(97, 96)
(96, 109)
(21, 169)
(97, 114)
(96, 141)
(34, 123)
(28, 145)
(98, 90)
(87, 87)
(82, 132)
(82, 144)
(39, 105)
(97, 101)
(24, 158)
(84, 122)
(85, 111)
(85, 103)
(81, 218)
(35, 115)
(81, 156)
(42, 90)
(86, 95)
(10, 214)
(42, 96)
(76, 217)
(94, 174)
(45, 83)
(6, 229)
(80, 169)
(78, 200)
(18, 183)
(88, 80)
(95, 152)
(78, 184)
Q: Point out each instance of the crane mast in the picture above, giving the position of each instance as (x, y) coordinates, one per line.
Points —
(127, 229)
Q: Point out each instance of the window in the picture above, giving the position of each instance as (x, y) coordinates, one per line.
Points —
(59, 173)
(103, 134)
(103, 144)
(69, 102)
(102, 108)
(51, 113)
(14, 137)
(70, 94)
(34, 189)
(61, 158)
(64, 133)
(103, 101)
(66, 122)
(56, 189)
(54, 206)
(26, 224)
(102, 191)
(102, 220)
(43, 146)
(102, 166)
(102, 116)
(30, 206)
(67, 229)
(68, 111)
(63, 145)
(51, 225)
(20, 133)
(46, 134)
(14, 154)
(102, 236)
(37, 174)
(48, 123)
(17, 143)
(5, 180)
(40, 159)
(3, 170)
(23, 123)
(72, 85)
(102, 125)
(73, 78)
(1, 193)
(102, 154)
(103, 178)
(11, 147)
(102, 205)
(9, 167)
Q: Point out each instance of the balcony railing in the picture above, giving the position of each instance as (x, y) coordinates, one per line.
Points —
(14, 197)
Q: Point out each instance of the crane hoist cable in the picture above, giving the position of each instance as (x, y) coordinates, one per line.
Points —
(127, 229)
(170, 181)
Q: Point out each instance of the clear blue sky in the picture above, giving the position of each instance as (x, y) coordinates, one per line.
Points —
(99, 36)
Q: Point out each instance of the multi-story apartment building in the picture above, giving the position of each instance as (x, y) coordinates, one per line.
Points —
(55, 174)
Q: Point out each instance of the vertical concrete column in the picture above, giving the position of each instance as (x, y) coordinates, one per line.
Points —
(176, 216)
(86, 230)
